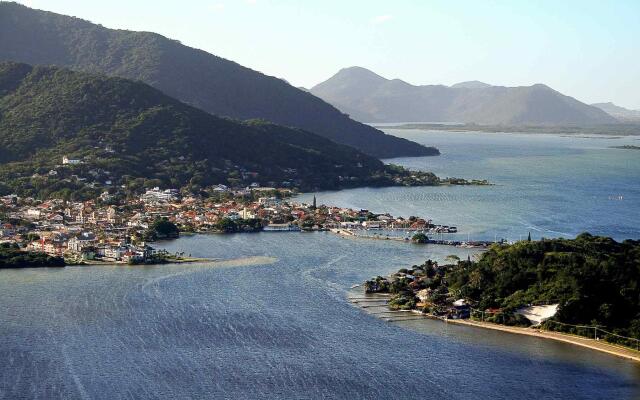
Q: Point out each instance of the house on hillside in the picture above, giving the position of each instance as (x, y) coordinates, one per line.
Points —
(156, 195)
(79, 243)
(70, 161)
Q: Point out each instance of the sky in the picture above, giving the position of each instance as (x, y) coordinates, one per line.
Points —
(587, 49)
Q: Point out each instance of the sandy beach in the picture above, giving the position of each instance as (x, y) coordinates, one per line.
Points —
(598, 345)
(376, 305)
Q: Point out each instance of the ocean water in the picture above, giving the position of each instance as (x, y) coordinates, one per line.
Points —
(549, 185)
(282, 330)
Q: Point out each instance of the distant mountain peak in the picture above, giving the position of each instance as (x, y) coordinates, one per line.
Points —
(610, 106)
(471, 85)
(541, 86)
(369, 97)
(621, 113)
(357, 70)
(357, 74)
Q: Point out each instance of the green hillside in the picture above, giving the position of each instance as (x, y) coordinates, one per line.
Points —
(211, 83)
(596, 280)
(128, 133)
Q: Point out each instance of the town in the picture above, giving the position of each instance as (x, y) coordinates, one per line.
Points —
(108, 230)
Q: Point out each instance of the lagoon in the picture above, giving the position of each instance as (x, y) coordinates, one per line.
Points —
(280, 326)
(283, 329)
(549, 185)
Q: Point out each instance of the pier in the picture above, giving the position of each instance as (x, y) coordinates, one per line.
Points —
(364, 234)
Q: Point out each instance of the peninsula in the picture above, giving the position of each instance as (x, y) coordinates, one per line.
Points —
(587, 286)
(117, 229)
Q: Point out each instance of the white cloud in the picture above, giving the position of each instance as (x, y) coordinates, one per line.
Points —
(252, 2)
(380, 19)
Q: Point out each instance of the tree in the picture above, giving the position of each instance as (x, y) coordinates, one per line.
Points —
(420, 238)
(452, 258)
(162, 228)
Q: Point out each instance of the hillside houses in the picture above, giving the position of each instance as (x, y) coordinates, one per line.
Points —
(156, 195)
(117, 232)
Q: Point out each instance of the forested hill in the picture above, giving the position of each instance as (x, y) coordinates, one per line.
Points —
(211, 83)
(596, 280)
(127, 133)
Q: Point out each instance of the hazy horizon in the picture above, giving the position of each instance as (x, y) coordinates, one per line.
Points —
(586, 50)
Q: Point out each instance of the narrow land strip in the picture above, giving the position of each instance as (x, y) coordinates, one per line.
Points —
(598, 345)
(562, 337)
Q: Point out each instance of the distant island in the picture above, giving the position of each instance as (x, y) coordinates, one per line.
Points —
(620, 129)
(560, 285)
(626, 147)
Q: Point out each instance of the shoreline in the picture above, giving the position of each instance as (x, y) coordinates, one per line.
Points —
(185, 260)
(350, 234)
(241, 261)
(607, 131)
(367, 302)
(597, 345)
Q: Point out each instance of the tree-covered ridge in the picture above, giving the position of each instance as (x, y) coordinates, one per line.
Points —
(122, 132)
(213, 84)
(595, 280)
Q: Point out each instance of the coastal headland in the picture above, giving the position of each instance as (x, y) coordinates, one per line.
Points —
(544, 288)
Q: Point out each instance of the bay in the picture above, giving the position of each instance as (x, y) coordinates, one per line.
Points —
(549, 185)
(283, 328)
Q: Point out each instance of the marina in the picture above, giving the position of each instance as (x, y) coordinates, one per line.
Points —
(396, 235)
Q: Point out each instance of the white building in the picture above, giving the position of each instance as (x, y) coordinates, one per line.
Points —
(220, 188)
(268, 201)
(372, 225)
(247, 214)
(79, 243)
(156, 195)
(66, 161)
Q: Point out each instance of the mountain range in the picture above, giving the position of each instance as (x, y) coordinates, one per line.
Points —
(368, 97)
(193, 76)
(621, 113)
(124, 133)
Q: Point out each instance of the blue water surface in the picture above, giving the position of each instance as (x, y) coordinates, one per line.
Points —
(549, 185)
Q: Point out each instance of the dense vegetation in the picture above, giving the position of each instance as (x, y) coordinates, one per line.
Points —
(405, 283)
(420, 238)
(213, 84)
(596, 280)
(162, 228)
(228, 225)
(12, 257)
(129, 134)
